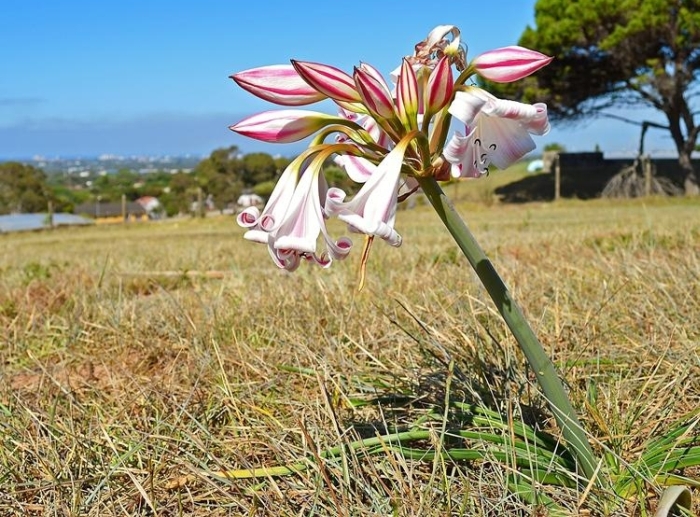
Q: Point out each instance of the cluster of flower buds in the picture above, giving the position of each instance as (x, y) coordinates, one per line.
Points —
(384, 136)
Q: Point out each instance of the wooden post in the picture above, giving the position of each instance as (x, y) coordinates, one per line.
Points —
(49, 216)
(124, 214)
(647, 175)
(200, 202)
(557, 179)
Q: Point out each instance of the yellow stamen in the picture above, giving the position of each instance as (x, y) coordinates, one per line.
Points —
(363, 261)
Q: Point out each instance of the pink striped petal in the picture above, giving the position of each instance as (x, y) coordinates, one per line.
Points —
(508, 64)
(329, 80)
(440, 86)
(531, 116)
(280, 84)
(369, 69)
(375, 94)
(407, 96)
(283, 126)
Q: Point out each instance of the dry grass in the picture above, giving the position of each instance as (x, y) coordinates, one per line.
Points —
(119, 389)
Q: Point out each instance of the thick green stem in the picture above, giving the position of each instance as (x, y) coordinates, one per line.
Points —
(540, 363)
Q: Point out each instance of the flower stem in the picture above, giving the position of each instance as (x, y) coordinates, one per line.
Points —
(547, 376)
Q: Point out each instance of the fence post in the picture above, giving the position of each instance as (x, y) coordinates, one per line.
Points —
(647, 175)
(557, 179)
(200, 202)
(124, 216)
(49, 216)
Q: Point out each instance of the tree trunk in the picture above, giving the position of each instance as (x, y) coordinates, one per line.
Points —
(690, 180)
(684, 146)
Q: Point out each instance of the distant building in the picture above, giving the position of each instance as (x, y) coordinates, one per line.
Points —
(248, 200)
(152, 206)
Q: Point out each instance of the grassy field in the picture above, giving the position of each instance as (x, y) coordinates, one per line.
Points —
(140, 360)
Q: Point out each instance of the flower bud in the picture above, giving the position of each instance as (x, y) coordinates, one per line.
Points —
(508, 64)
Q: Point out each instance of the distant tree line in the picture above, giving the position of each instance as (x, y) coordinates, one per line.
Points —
(23, 188)
(222, 177)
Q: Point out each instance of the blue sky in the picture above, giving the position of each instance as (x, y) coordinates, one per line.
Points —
(86, 77)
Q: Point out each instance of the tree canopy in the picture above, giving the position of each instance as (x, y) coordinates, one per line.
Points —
(22, 188)
(620, 53)
(225, 174)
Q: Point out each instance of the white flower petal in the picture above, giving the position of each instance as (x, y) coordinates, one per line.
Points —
(260, 236)
(357, 168)
(504, 140)
(301, 226)
(373, 209)
(460, 151)
(274, 210)
(499, 132)
(249, 217)
(304, 220)
(467, 105)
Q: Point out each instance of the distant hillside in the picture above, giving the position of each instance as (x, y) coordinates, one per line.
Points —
(110, 163)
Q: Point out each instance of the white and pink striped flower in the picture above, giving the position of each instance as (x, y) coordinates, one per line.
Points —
(372, 210)
(304, 222)
(294, 218)
(382, 137)
(497, 132)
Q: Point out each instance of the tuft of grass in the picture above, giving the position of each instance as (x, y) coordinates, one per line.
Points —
(139, 360)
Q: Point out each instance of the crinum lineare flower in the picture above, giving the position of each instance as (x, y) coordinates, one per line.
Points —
(498, 132)
(383, 136)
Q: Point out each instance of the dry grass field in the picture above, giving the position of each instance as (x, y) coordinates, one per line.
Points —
(140, 360)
